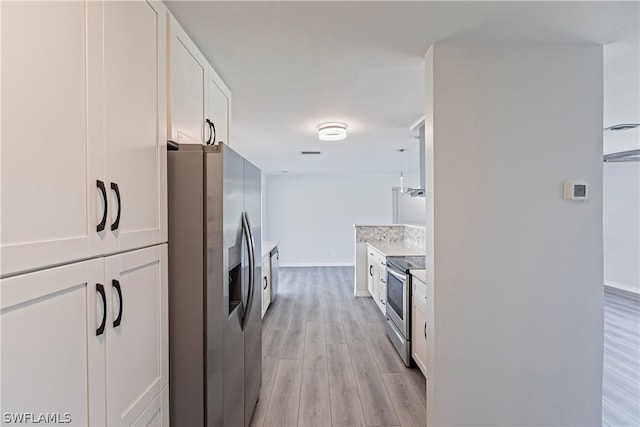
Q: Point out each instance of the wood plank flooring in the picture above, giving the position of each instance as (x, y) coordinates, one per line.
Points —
(327, 360)
(621, 373)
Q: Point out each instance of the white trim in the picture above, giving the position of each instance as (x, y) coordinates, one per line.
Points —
(317, 264)
(361, 293)
(622, 286)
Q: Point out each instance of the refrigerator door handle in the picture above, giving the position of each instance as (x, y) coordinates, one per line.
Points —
(252, 268)
(251, 252)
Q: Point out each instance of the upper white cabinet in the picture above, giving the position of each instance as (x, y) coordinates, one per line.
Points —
(135, 122)
(51, 137)
(83, 130)
(199, 101)
(52, 325)
(219, 107)
(187, 87)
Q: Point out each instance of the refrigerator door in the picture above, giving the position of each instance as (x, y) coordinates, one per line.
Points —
(253, 321)
(234, 284)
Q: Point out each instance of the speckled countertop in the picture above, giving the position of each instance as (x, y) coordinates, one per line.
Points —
(396, 248)
(420, 274)
(267, 246)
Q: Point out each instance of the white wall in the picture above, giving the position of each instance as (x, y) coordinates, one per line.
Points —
(621, 221)
(312, 216)
(517, 270)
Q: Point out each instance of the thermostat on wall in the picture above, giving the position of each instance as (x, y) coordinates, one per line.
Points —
(575, 190)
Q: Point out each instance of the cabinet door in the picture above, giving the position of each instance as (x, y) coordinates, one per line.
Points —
(418, 336)
(157, 413)
(382, 289)
(266, 283)
(51, 140)
(219, 107)
(137, 333)
(372, 270)
(52, 357)
(187, 83)
(135, 121)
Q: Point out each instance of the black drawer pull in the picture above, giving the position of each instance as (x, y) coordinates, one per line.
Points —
(103, 221)
(425, 330)
(370, 272)
(116, 285)
(265, 283)
(116, 190)
(100, 290)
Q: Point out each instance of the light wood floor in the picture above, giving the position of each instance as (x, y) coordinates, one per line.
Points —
(327, 360)
(621, 375)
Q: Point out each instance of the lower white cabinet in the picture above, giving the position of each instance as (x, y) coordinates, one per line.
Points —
(377, 277)
(419, 327)
(137, 332)
(265, 284)
(65, 357)
(157, 413)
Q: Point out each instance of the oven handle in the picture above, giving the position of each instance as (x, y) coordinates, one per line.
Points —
(397, 275)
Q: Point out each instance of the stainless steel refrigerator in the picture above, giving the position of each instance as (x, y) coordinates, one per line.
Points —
(215, 327)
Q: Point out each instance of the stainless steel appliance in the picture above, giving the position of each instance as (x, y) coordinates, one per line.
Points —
(399, 302)
(215, 329)
(275, 272)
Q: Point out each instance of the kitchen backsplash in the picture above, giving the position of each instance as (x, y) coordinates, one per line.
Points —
(408, 234)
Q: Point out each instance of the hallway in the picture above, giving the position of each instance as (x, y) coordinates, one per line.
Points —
(327, 360)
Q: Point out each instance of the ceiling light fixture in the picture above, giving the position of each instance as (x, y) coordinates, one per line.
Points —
(332, 131)
(401, 150)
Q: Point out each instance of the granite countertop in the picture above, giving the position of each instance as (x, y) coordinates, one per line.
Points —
(267, 246)
(419, 274)
(397, 248)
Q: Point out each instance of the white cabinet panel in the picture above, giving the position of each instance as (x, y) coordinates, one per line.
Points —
(265, 284)
(137, 365)
(187, 88)
(157, 413)
(419, 336)
(50, 204)
(52, 359)
(134, 34)
(219, 106)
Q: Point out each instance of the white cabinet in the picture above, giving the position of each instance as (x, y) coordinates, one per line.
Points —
(219, 107)
(52, 357)
(157, 413)
(135, 122)
(419, 327)
(265, 284)
(50, 157)
(62, 352)
(83, 142)
(137, 347)
(199, 101)
(377, 278)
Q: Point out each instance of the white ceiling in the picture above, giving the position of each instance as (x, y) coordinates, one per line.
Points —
(292, 65)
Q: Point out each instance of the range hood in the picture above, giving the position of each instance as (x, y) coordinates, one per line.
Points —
(419, 192)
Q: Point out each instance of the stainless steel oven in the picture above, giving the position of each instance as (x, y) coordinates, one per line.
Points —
(399, 302)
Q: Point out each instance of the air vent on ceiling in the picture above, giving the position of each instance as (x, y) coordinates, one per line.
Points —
(623, 126)
(306, 153)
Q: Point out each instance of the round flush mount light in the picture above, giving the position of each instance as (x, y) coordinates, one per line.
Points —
(332, 131)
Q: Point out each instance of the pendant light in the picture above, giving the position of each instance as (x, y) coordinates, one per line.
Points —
(402, 150)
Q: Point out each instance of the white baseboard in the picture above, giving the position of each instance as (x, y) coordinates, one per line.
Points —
(622, 286)
(317, 264)
(362, 293)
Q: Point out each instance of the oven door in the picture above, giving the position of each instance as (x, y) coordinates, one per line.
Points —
(397, 299)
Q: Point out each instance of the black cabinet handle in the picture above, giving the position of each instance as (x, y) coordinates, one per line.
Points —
(116, 190)
(425, 330)
(116, 285)
(212, 133)
(103, 221)
(265, 283)
(370, 272)
(100, 290)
